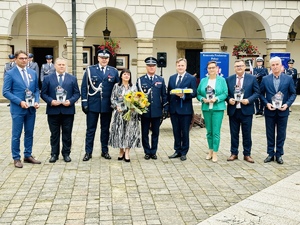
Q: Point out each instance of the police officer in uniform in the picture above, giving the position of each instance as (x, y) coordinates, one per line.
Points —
(259, 71)
(9, 65)
(292, 71)
(32, 65)
(154, 86)
(47, 68)
(97, 84)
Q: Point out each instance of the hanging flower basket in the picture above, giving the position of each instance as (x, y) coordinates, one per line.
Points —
(111, 45)
(245, 48)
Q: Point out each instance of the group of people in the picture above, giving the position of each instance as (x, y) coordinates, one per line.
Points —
(102, 95)
(102, 90)
(241, 90)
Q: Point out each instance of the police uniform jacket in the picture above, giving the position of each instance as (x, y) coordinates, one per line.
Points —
(260, 73)
(46, 70)
(292, 72)
(98, 101)
(8, 66)
(34, 66)
(157, 95)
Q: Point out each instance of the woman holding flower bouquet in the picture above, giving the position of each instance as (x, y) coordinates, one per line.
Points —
(125, 128)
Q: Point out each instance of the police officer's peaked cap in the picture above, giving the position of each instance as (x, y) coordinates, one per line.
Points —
(291, 61)
(49, 56)
(151, 61)
(30, 55)
(11, 56)
(104, 53)
(259, 59)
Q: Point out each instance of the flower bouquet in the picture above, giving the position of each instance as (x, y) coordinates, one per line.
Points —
(136, 101)
(111, 45)
(245, 47)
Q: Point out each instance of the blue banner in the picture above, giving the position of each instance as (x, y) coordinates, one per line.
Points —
(285, 57)
(222, 59)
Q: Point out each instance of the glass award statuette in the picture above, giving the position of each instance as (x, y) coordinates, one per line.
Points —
(61, 94)
(238, 93)
(120, 103)
(277, 100)
(29, 98)
(210, 92)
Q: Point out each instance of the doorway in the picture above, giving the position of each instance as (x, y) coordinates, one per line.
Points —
(40, 53)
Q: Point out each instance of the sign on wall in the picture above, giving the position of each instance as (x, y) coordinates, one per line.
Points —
(285, 56)
(222, 59)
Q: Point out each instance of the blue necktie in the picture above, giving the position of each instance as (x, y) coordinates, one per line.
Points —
(60, 81)
(179, 81)
(25, 78)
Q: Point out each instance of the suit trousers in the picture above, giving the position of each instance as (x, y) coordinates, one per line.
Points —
(279, 124)
(155, 124)
(236, 122)
(63, 123)
(18, 121)
(213, 121)
(92, 121)
(181, 130)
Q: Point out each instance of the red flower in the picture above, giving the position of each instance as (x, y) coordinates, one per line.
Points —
(245, 46)
(111, 45)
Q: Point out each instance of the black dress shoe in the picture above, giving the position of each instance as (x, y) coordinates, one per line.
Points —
(269, 159)
(175, 155)
(147, 157)
(121, 158)
(279, 160)
(67, 158)
(154, 157)
(183, 158)
(126, 160)
(87, 157)
(53, 159)
(105, 155)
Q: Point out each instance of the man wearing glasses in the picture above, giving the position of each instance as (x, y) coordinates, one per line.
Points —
(21, 88)
(243, 90)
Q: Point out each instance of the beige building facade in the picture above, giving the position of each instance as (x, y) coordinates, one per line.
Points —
(146, 27)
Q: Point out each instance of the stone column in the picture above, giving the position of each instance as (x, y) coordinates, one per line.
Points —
(5, 51)
(274, 46)
(211, 45)
(79, 64)
(144, 50)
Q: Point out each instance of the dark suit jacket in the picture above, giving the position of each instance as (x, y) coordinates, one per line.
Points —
(14, 89)
(96, 103)
(48, 93)
(157, 95)
(182, 106)
(251, 88)
(267, 91)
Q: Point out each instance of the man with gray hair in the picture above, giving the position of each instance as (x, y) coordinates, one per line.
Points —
(277, 91)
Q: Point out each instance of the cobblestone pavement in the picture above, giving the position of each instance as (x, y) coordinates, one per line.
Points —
(161, 191)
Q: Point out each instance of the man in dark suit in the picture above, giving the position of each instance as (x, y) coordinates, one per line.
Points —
(259, 71)
(276, 115)
(60, 91)
(47, 68)
(181, 108)
(154, 87)
(21, 88)
(33, 65)
(241, 112)
(97, 84)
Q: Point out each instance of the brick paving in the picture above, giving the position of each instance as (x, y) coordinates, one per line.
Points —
(159, 191)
